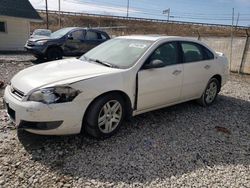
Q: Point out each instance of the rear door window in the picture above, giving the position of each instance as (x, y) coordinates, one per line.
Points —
(191, 52)
(91, 35)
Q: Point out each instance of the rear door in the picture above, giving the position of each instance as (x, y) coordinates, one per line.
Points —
(198, 63)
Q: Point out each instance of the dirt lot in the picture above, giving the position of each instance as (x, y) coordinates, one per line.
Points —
(181, 146)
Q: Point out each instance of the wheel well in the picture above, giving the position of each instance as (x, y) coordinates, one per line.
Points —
(128, 107)
(218, 77)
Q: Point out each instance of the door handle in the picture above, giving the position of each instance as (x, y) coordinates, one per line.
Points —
(207, 67)
(176, 72)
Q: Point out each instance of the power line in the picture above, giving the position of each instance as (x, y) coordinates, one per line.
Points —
(155, 11)
(150, 12)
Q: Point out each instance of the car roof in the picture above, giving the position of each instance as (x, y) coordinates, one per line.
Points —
(156, 37)
(73, 28)
(86, 28)
(83, 28)
(41, 30)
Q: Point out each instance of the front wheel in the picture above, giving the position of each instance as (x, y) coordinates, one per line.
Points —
(210, 93)
(105, 116)
(39, 57)
(54, 53)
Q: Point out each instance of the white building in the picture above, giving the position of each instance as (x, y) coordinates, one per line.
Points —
(15, 18)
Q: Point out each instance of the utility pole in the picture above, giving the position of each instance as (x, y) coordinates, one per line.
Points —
(47, 16)
(167, 11)
(237, 21)
(231, 45)
(127, 7)
(59, 11)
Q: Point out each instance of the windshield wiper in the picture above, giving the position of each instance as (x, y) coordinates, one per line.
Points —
(102, 62)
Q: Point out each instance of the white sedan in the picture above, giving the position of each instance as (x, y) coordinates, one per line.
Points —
(122, 77)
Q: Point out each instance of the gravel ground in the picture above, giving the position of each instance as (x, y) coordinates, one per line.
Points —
(181, 146)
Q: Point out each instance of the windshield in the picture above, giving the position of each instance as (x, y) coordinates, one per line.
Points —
(121, 53)
(60, 33)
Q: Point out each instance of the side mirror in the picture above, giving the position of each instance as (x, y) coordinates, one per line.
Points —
(70, 37)
(156, 63)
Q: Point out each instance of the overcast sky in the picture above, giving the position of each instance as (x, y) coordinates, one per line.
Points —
(212, 11)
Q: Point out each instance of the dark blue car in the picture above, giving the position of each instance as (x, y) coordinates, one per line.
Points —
(71, 41)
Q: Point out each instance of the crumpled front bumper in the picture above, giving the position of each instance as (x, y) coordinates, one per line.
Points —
(69, 115)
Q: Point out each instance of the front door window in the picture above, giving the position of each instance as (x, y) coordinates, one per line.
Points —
(168, 53)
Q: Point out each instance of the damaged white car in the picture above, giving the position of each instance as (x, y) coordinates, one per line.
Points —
(122, 77)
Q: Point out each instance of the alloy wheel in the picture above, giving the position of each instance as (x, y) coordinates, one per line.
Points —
(110, 116)
(211, 92)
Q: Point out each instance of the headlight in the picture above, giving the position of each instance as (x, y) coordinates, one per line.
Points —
(40, 42)
(51, 95)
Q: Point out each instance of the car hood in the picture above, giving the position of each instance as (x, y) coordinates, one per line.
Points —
(47, 38)
(39, 37)
(62, 71)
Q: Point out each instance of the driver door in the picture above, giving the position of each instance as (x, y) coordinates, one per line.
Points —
(161, 86)
(74, 43)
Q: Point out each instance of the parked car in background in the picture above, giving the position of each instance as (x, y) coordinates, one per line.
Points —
(71, 41)
(39, 33)
(122, 77)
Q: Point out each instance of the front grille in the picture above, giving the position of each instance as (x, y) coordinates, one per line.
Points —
(39, 125)
(17, 92)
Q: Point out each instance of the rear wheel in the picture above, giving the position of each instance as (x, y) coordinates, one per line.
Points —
(105, 116)
(210, 93)
(54, 53)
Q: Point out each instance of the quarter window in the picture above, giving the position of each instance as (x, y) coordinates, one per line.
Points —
(103, 37)
(168, 53)
(2, 27)
(208, 54)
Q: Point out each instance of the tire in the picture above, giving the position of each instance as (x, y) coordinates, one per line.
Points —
(210, 94)
(54, 53)
(105, 116)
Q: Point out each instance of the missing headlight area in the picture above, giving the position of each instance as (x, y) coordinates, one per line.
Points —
(66, 94)
(58, 94)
